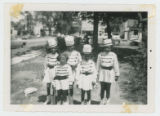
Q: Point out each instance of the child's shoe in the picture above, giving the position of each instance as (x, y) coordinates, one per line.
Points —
(105, 101)
(70, 100)
(65, 103)
(108, 100)
(83, 103)
(102, 101)
(89, 102)
(48, 100)
(59, 102)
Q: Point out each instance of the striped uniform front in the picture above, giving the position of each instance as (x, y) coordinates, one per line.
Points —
(58, 74)
(51, 59)
(107, 66)
(50, 62)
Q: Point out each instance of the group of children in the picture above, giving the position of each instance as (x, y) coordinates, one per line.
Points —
(64, 70)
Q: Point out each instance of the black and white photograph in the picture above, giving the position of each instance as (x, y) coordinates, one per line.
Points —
(78, 58)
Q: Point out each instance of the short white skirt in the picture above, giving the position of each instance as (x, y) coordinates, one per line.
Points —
(47, 78)
(85, 82)
(61, 84)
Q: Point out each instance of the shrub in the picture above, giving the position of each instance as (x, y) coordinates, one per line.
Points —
(138, 76)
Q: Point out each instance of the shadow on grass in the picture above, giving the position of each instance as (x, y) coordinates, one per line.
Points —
(92, 102)
(42, 98)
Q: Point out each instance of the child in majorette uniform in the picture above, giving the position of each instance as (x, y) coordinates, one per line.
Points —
(62, 76)
(74, 58)
(108, 69)
(86, 74)
(50, 62)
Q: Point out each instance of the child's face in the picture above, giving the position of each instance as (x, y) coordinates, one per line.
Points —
(107, 49)
(70, 48)
(63, 59)
(87, 56)
(53, 50)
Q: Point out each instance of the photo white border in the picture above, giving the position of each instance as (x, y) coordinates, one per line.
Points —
(83, 7)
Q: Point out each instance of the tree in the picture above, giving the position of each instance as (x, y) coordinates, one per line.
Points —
(95, 30)
(96, 17)
(64, 22)
(61, 21)
(47, 18)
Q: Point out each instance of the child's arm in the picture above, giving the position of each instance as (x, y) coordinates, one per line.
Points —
(45, 63)
(52, 73)
(116, 66)
(98, 64)
(80, 58)
(57, 59)
(77, 72)
(94, 73)
(70, 75)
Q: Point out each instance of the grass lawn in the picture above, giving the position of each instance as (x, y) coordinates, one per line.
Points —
(30, 74)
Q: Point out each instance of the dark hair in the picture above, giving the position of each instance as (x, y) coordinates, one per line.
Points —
(90, 55)
(62, 54)
(61, 44)
(48, 49)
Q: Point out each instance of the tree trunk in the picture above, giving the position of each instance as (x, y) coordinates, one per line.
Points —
(50, 31)
(109, 29)
(95, 30)
(143, 28)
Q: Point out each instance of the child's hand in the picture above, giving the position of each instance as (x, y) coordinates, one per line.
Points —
(70, 86)
(53, 83)
(116, 78)
(93, 83)
(77, 86)
(97, 77)
(70, 83)
(76, 83)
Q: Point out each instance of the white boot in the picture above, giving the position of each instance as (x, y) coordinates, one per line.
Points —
(102, 101)
(83, 103)
(108, 100)
(89, 102)
(59, 102)
(48, 100)
(53, 99)
(66, 102)
(70, 100)
(105, 101)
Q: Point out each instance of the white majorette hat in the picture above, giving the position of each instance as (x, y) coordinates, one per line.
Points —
(107, 42)
(58, 35)
(69, 40)
(62, 35)
(52, 43)
(87, 49)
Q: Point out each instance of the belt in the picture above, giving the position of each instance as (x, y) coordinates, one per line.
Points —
(107, 68)
(74, 67)
(60, 77)
(50, 66)
(86, 74)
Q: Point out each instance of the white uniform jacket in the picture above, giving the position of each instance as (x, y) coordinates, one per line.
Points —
(86, 74)
(74, 58)
(62, 76)
(50, 62)
(107, 67)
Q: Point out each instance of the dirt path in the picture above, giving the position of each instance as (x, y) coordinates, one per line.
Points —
(27, 56)
(29, 74)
